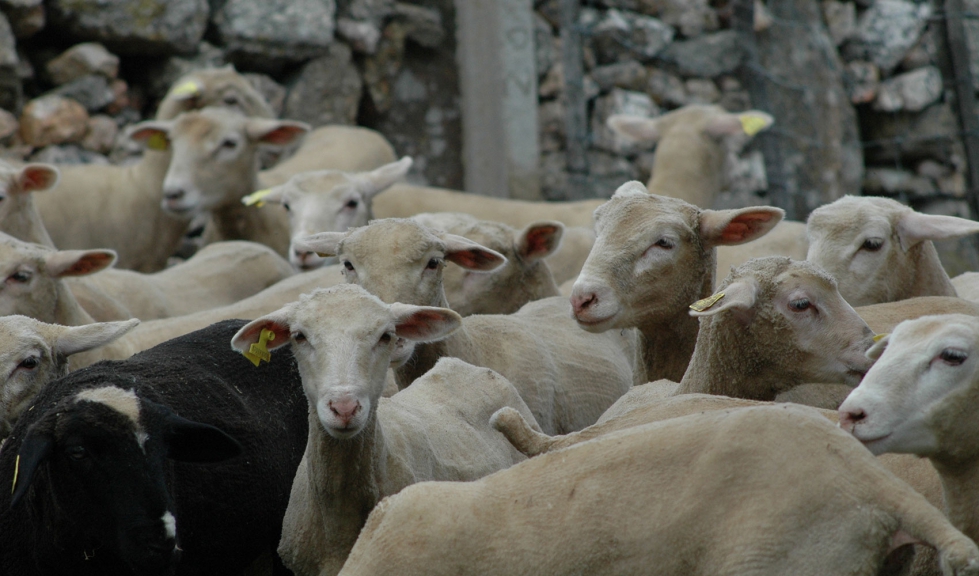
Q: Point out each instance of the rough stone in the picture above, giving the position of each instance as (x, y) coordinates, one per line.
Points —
(553, 84)
(26, 18)
(619, 101)
(53, 120)
(690, 17)
(706, 56)
(619, 34)
(605, 165)
(101, 136)
(911, 91)
(10, 88)
(817, 148)
(120, 97)
(262, 33)
(81, 60)
(8, 126)
(746, 175)
(67, 154)
(365, 10)
(701, 91)
(949, 180)
(972, 39)
(841, 20)
(326, 90)
(908, 137)
(92, 91)
(424, 25)
(550, 119)
(862, 81)
(886, 31)
(628, 75)
(734, 98)
(273, 92)
(147, 27)
(894, 182)
(925, 52)
(666, 89)
(381, 69)
(359, 35)
(545, 54)
(163, 75)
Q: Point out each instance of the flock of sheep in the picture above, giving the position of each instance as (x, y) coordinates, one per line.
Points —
(437, 383)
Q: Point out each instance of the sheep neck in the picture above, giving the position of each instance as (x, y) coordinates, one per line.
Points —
(930, 277)
(67, 310)
(23, 222)
(960, 485)
(150, 251)
(426, 354)
(344, 478)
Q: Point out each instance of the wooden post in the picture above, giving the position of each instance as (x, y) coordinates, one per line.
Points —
(965, 96)
(498, 83)
(576, 105)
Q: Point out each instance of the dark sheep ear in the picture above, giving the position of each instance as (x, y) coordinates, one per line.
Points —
(189, 441)
(35, 449)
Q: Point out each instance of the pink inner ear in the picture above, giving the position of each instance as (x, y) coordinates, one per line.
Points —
(88, 264)
(281, 331)
(145, 134)
(37, 178)
(743, 226)
(282, 135)
(539, 240)
(474, 259)
(418, 325)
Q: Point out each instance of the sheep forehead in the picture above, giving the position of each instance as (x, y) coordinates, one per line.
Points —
(206, 124)
(324, 182)
(13, 252)
(19, 333)
(629, 218)
(394, 239)
(122, 401)
(917, 334)
(342, 309)
(851, 215)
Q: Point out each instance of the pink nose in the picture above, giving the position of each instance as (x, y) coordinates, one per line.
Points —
(581, 302)
(850, 418)
(344, 410)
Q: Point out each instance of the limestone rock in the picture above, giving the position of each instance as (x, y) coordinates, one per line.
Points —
(618, 35)
(53, 120)
(911, 91)
(862, 81)
(92, 91)
(8, 125)
(628, 75)
(908, 137)
(101, 136)
(424, 25)
(892, 181)
(360, 35)
(841, 20)
(545, 54)
(619, 101)
(81, 60)
(289, 30)
(326, 90)
(550, 120)
(382, 68)
(701, 91)
(10, 88)
(706, 56)
(26, 18)
(273, 92)
(67, 154)
(147, 27)
(666, 89)
(886, 31)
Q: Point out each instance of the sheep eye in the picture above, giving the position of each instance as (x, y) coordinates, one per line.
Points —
(433, 264)
(229, 145)
(231, 100)
(348, 265)
(385, 338)
(20, 276)
(352, 204)
(872, 244)
(76, 452)
(298, 337)
(286, 206)
(664, 243)
(800, 305)
(29, 363)
(953, 357)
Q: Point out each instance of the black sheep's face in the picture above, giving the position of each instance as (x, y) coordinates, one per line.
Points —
(102, 455)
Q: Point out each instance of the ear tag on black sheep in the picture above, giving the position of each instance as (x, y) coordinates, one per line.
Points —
(706, 303)
(258, 351)
(16, 472)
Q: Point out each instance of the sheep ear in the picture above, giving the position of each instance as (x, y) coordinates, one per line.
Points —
(880, 344)
(375, 181)
(276, 132)
(251, 333)
(539, 240)
(38, 177)
(324, 243)
(731, 227)
(34, 450)
(154, 134)
(750, 123)
(75, 339)
(915, 227)
(189, 441)
(738, 297)
(632, 188)
(64, 263)
(470, 255)
(424, 323)
(642, 130)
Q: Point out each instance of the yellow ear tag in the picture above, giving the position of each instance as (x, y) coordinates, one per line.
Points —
(158, 141)
(255, 198)
(706, 303)
(879, 337)
(257, 351)
(16, 472)
(752, 124)
(188, 88)
(322, 255)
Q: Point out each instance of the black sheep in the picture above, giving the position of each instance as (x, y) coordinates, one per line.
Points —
(189, 429)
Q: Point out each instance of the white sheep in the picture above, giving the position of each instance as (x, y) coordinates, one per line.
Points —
(18, 217)
(880, 250)
(361, 447)
(566, 376)
(95, 206)
(763, 490)
(524, 277)
(33, 353)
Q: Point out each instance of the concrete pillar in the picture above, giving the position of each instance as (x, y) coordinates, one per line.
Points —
(498, 83)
